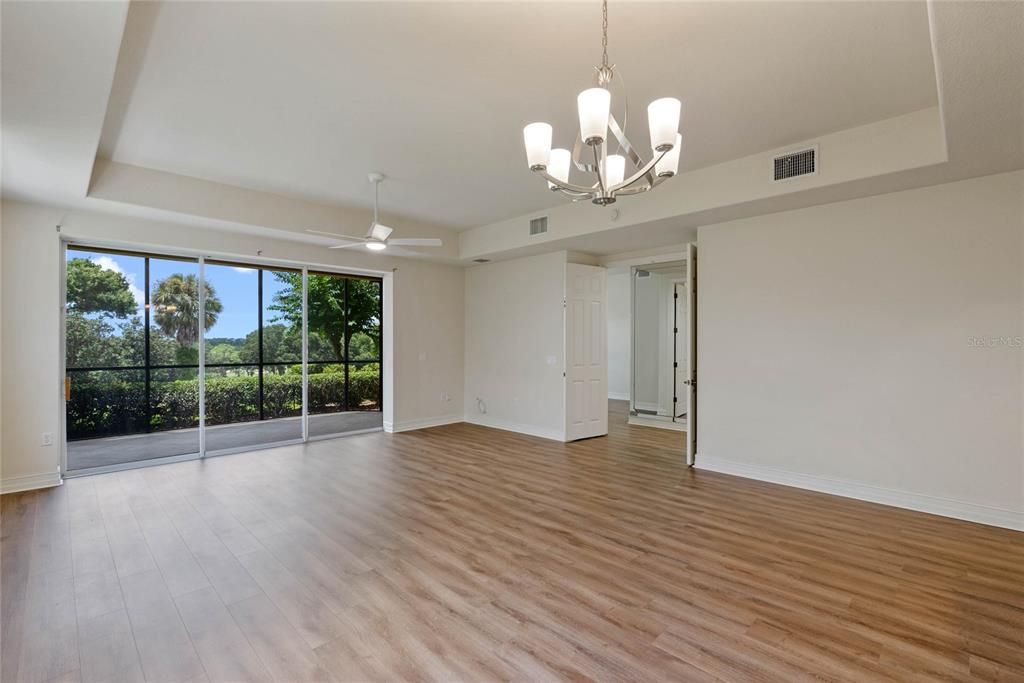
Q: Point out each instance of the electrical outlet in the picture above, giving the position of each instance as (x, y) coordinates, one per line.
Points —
(47, 439)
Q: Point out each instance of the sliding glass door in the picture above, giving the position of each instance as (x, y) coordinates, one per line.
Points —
(137, 389)
(344, 354)
(253, 359)
(132, 333)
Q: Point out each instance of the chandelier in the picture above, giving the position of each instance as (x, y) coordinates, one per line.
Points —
(596, 122)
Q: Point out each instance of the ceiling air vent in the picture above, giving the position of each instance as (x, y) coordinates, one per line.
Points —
(481, 260)
(795, 164)
(539, 226)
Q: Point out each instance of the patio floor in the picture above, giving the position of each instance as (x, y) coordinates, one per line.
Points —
(117, 450)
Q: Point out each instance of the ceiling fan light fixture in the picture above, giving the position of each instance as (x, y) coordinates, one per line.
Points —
(379, 232)
(379, 235)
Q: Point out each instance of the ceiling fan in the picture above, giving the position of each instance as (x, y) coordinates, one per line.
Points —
(378, 237)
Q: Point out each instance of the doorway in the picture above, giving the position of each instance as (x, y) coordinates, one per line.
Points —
(663, 348)
(659, 345)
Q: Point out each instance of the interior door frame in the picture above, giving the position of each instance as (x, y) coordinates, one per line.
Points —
(691, 315)
(603, 327)
(201, 256)
(675, 282)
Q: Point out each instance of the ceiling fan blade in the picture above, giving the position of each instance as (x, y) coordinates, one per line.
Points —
(416, 242)
(346, 246)
(336, 236)
(379, 232)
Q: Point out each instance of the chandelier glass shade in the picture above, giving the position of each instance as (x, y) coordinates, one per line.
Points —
(599, 129)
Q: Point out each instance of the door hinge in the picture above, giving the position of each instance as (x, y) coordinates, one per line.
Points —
(675, 295)
(675, 330)
(675, 364)
(675, 400)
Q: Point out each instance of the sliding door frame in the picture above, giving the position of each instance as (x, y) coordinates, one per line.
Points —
(346, 362)
(202, 257)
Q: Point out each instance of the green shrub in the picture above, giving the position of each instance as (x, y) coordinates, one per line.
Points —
(107, 404)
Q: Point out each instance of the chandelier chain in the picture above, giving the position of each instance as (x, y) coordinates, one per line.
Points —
(604, 33)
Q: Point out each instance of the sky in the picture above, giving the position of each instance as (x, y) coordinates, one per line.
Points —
(236, 287)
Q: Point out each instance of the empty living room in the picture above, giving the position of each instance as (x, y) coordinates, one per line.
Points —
(495, 340)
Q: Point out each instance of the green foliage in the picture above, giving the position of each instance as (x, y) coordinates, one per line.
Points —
(91, 342)
(109, 403)
(327, 313)
(175, 307)
(94, 289)
(281, 344)
(222, 353)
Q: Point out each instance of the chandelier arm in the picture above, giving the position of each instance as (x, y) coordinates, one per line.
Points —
(600, 175)
(644, 171)
(640, 189)
(577, 154)
(629, 191)
(625, 145)
(620, 135)
(575, 196)
(564, 186)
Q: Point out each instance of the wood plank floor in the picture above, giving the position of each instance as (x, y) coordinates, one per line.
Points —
(467, 554)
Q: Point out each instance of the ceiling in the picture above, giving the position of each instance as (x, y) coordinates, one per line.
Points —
(303, 99)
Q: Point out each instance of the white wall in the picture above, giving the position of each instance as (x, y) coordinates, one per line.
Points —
(427, 337)
(514, 344)
(655, 339)
(649, 322)
(836, 353)
(620, 331)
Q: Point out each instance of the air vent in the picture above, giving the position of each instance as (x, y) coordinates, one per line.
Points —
(481, 260)
(538, 226)
(795, 164)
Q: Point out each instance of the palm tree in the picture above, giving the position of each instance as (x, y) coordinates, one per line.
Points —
(175, 307)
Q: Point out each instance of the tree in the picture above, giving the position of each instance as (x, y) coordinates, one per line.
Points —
(222, 354)
(327, 309)
(175, 305)
(95, 294)
(281, 344)
(90, 342)
(94, 289)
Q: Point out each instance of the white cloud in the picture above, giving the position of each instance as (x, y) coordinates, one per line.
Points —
(107, 263)
(239, 269)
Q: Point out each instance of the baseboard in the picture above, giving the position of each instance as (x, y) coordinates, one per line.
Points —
(410, 425)
(653, 407)
(529, 430)
(656, 422)
(31, 481)
(618, 396)
(946, 507)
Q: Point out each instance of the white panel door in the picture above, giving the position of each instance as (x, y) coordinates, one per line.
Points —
(691, 358)
(586, 352)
